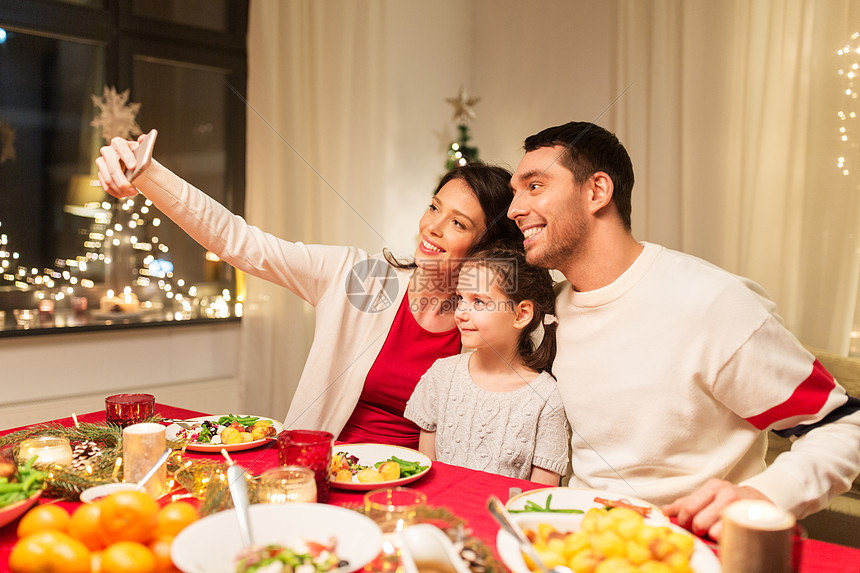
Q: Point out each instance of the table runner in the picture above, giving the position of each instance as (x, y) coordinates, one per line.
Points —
(463, 491)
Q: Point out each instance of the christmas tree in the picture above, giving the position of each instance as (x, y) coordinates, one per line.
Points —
(460, 152)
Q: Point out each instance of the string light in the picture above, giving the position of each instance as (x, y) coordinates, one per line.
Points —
(847, 128)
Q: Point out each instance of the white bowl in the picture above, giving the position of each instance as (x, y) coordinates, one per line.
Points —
(97, 492)
(210, 545)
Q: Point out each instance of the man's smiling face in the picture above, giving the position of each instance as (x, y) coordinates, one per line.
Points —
(549, 208)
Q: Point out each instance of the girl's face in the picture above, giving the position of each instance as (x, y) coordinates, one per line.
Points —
(485, 315)
(449, 229)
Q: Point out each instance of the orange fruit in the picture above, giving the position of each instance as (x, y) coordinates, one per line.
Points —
(160, 547)
(173, 517)
(128, 516)
(128, 557)
(49, 551)
(43, 517)
(85, 525)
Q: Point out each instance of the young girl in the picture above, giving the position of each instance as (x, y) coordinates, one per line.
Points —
(497, 409)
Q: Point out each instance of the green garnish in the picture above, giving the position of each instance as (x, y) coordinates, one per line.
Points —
(531, 506)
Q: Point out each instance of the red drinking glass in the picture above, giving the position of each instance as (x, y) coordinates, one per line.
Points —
(127, 409)
(310, 449)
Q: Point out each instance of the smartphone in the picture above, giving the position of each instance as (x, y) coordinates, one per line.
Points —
(142, 155)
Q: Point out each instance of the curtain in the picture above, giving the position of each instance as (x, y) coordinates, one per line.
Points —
(310, 165)
(731, 114)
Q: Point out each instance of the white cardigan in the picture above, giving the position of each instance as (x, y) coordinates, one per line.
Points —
(347, 339)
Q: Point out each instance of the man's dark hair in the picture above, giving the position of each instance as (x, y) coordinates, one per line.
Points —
(590, 148)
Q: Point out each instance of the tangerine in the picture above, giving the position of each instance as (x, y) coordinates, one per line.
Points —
(128, 516)
(128, 557)
(174, 517)
(43, 517)
(160, 547)
(85, 525)
(49, 551)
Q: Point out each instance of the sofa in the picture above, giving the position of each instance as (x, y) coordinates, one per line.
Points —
(840, 522)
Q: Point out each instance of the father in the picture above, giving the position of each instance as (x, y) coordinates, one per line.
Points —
(671, 369)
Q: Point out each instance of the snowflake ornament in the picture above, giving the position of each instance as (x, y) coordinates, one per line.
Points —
(117, 115)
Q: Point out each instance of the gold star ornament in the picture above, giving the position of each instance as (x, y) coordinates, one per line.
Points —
(463, 106)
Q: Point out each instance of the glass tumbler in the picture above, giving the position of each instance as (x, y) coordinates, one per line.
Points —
(310, 449)
(395, 508)
(287, 484)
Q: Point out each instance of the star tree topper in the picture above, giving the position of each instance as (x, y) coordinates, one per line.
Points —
(117, 115)
(463, 106)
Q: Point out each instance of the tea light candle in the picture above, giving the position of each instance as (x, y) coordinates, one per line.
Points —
(142, 445)
(129, 301)
(109, 303)
(756, 538)
(48, 449)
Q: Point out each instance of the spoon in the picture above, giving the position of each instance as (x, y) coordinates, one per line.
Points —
(239, 493)
(500, 514)
(158, 463)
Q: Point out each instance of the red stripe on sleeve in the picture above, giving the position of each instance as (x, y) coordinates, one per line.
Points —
(807, 399)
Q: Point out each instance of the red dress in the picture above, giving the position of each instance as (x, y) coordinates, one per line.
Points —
(408, 352)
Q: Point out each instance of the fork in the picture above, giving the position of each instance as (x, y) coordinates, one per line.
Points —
(501, 515)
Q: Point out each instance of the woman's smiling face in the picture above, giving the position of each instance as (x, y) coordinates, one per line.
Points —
(452, 225)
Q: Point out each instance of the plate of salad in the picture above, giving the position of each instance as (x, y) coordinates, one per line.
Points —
(232, 432)
(361, 467)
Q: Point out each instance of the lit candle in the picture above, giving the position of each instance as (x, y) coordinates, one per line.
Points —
(48, 449)
(142, 445)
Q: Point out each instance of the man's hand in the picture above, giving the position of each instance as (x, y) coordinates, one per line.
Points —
(701, 511)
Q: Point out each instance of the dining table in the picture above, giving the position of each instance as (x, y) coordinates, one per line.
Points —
(463, 492)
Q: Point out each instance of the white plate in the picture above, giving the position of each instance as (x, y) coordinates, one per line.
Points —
(369, 454)
(173, 429)
(703, 560)
(580, 498)
(210, 545)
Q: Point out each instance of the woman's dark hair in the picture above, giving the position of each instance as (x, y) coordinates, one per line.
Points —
(521, 281)
(492, 187)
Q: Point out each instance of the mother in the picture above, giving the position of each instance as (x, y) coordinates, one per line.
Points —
(380, 323)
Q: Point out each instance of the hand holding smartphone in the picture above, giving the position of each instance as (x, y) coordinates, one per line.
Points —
(142, 155)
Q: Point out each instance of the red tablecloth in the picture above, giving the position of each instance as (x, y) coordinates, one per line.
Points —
(462, 491)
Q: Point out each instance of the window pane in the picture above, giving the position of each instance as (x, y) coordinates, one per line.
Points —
(188, 105)
(47, 149)
(208, 14)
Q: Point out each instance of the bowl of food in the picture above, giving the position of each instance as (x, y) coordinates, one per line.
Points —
(327, 537)
(571, 529)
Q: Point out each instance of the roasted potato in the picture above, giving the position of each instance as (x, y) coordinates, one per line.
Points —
(614, 541)
(390, 470)
(343, 476)
(230, 436)
(369, 475)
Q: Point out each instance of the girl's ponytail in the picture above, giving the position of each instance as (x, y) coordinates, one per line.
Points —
(542, 356)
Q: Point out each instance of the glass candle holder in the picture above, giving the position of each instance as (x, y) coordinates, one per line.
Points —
(287, 484)
(48, 449)
(395, 508)
(310, 449)
(127, 409)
